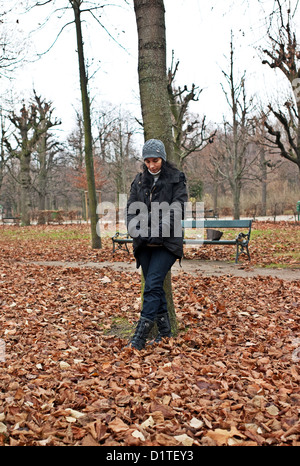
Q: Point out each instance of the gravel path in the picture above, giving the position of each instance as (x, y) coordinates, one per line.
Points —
(215, 268)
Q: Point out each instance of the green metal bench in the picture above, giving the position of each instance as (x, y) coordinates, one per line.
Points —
(241, 241)
(119, 240)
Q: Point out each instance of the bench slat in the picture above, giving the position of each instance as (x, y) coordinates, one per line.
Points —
(216, 223)
(208, 241)
(241, 242)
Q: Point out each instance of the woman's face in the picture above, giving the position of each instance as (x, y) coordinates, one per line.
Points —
(153, 164)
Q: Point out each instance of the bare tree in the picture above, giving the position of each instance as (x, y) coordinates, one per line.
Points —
(4, 155)
(266, 163)
(75, 142)
(46, 149)
(88, 147)
(190, 132)
(32, 124)
(284, 54)
(13, 47)
(106, 121)
(114, 145)
(235, 140)
(80, 7)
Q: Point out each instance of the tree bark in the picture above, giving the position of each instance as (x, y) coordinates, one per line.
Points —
(150, 19)
(88, 149)
(156, 113)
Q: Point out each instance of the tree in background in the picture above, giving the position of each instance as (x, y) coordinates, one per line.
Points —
(232, 158)
(78, 7)
(4, 156)
(46, 149)
(88, 146)
(32, 124)
(116, 130)
(13, 45)
(78, 176)
(284, 55)
(189, 133)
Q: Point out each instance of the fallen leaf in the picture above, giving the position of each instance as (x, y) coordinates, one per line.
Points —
(196, 423)
(148, 423)
(221, 436)
(138, 434)
(273, 410)
(184, 439)
(117, 425)
(64, 365)
(70, 419)
(3, 428)
(74, 413)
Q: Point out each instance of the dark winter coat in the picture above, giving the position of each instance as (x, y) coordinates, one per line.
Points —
(159, 224)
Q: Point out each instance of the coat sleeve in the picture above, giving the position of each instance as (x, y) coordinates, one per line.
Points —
(136, 213)
(177, 208)
(169, 220)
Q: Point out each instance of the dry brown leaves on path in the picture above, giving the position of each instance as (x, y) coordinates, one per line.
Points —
(270, 243)
(231, 376)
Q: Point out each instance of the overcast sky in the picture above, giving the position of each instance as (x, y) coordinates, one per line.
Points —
(198, 31)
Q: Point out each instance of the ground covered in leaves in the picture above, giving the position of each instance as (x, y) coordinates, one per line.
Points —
(230, 377)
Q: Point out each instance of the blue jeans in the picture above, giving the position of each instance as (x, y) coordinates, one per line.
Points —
(155, 263)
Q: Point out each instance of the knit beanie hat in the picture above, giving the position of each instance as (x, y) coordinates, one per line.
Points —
(154, 148)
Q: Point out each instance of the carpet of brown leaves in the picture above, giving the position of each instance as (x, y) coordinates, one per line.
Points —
(231, 376)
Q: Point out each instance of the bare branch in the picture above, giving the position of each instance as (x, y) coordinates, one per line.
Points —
(106, 30)
(56, 39)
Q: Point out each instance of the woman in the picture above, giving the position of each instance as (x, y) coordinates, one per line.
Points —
(154, 213)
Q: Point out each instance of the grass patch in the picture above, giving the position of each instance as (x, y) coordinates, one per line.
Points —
(44, 233)
(262, 233)
(276, 265)
(121, 328)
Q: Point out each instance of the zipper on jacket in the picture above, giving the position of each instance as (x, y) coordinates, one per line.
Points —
(151, 193)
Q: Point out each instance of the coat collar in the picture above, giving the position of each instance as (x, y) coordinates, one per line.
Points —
(167, 175)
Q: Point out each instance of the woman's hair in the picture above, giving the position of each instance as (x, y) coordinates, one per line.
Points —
(165, 165)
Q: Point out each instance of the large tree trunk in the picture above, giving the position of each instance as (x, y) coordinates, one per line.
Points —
(156, 113)
(89, 164)
(150, 19)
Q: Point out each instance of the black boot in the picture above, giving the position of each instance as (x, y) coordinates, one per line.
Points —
(164, 327)
(142, 331)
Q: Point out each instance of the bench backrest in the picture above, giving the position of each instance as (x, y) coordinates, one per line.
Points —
(216, 223)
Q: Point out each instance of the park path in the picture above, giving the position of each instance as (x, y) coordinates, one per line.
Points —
(207, 268)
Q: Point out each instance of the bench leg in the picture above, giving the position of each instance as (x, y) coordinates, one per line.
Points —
(242, 249)
(120, 246)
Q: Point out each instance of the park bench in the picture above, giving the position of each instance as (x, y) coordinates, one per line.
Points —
(210, 213)
(11, 220)
(241, 241)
